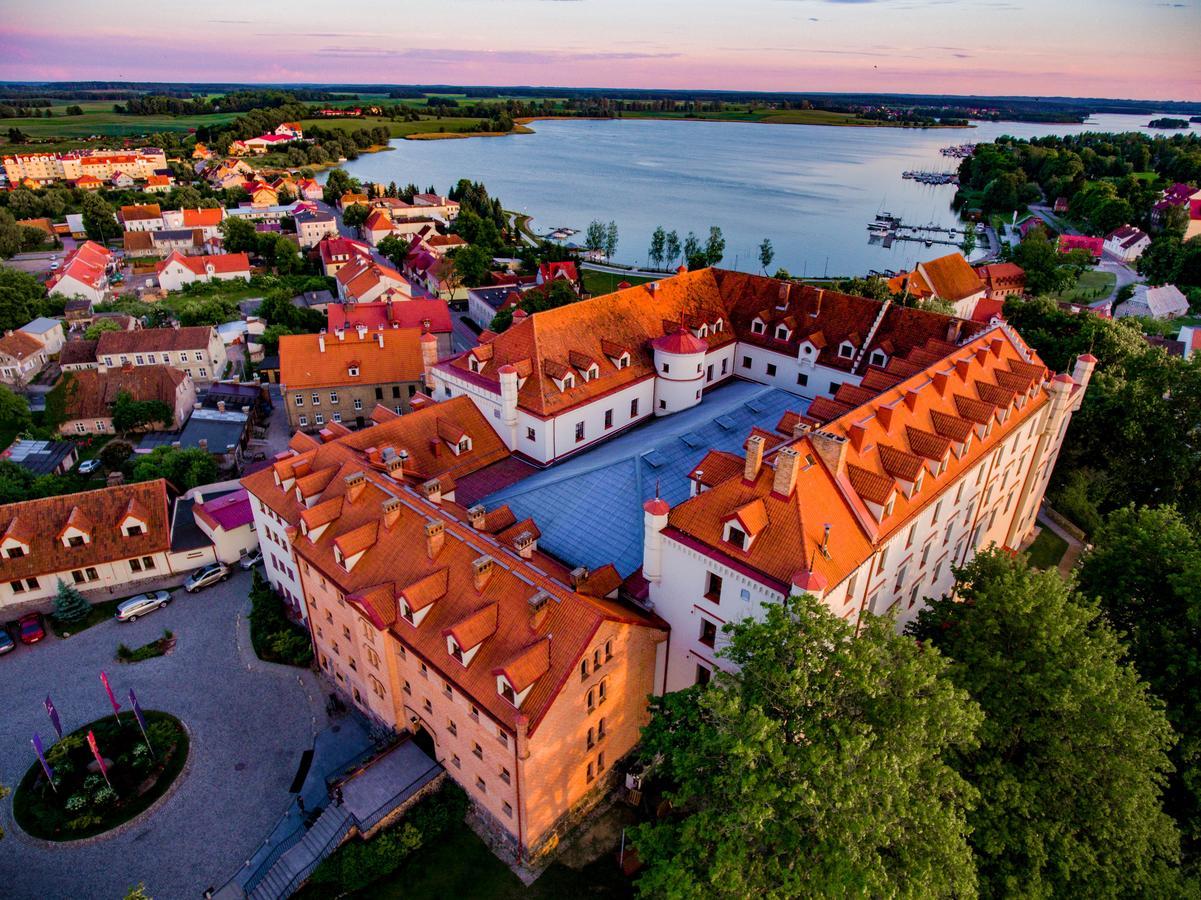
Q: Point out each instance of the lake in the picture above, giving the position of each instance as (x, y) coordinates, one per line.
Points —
(811, 189)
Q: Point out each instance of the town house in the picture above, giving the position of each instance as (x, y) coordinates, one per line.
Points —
(197, 350)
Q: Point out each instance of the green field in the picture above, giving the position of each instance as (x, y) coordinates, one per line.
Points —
(597, 283)
(433, 125)
(1047, 550)
(1093, 285)
(98, 118)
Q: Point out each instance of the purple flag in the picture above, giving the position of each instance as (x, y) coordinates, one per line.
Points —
(111, 698)
(52, 712)
(137, 712)
(37, 747)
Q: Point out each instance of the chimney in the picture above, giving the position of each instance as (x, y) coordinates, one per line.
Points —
(379, 339)
(321, 341)
(220, 406)
(578, 576)
(476, 515)
(203, 443)
(432, 490)
(341, 333)
(784, 482)
(435, 537)
(832, 448)
(356, 483)
(362, 331)
(539, 607)
(525, 544)
(754, 458)
(481, 572)
(954, 329)
(197, 405)
(391, 509)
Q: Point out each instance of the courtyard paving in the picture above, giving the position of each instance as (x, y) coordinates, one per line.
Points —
(249, 722)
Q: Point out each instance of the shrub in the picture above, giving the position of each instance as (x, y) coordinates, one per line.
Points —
(275, 638)
(69, 604)
(76, 803)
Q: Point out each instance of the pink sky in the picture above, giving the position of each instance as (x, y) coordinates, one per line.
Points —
(1102, 48)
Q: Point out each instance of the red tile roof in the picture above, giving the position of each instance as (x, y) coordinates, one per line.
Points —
(428, 315)
(382, 357)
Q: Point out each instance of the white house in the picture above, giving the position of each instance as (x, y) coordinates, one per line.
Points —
(1165, 302)
(177, 270)
(84, 273)
(49, 332)
(1127, 243)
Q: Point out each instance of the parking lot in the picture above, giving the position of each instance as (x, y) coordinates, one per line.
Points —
(249, 722)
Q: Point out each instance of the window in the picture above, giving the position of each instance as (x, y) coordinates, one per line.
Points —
(591, 740)
(912, 533)
(737, 538)
(429, 707)
(591, 699)
(590, 776)
(333, 396)
(662, 404)
(135, 565)
(802, 379)
(596, 659)
(757, 327)
(878, 358)
(666, 368)
(725, 366)
(299, 400)
(600, 763)
(337, 417)
(503, 737)
(32, 583)
(579, 431)
(77, 577)
(703, 674)
(199, 356)
(474, 712)
(713, 588)
(139, 360)
(508, 810)
(506, 691)
(608, 650)
(529, 434)
(377, 687)
(602, 691)
(319, 419)
(17, 586)
(633, 407)
(304, 421)
(425, 671)
(782, 333)
(708, 633)
(408, 688)
(373, 658)
(458, 763)
(16, 552)
(478, 751)
(92, 574)
(358, 404)
(881, 560)
(379, 393)
(505, 776)
(771, 370)
(600, 729)
(452, 727)
(608, 418)
(746, 362)
(316, 399)
(583, 670)
(395, 392)
(354, 665)
(447, 691)
(846, 350)
(133, 530)
(353, 371)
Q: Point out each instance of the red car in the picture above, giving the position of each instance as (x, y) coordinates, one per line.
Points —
(31, 628)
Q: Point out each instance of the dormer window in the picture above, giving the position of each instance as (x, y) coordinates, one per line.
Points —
(474, 364)
(15, 552)
(453, 648)
(719, 325)
(76, 540)
(942, 464)
(846, 350)
(464, 445)
(758, 326)
(879, 358)
(623, 360)
(921, 477)
(353, 371)
(406, 611)
(890, 505)
(736, 536)
(506, 691)
(782, 333)
(133, 530)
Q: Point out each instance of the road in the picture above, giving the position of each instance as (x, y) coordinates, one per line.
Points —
(249, 723)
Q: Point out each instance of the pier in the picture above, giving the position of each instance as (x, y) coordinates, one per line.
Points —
(891, 229)
(931, 177)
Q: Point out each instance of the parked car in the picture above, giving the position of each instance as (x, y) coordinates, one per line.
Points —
(202, 578)
(129, 610)
(31, 628)
(251, 559)
(7, 645)
(53, 267)
(88, 466)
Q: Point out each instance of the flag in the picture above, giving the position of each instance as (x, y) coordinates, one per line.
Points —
(52, 712)
(37, 747)
(99, 758)
(137, 712)
(111, 698)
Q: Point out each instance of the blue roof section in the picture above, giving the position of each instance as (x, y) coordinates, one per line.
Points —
(589, 508)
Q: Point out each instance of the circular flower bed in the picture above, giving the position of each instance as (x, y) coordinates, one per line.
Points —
(81, 803)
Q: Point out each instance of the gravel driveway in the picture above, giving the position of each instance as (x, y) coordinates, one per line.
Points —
(249, 722)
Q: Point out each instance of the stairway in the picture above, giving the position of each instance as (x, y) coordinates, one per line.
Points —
(299, 861)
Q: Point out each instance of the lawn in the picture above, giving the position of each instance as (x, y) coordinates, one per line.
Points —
(1047, 550)
(99, 118)
(459, 864)
(101, 612)
(1093, 285)
(597, 283)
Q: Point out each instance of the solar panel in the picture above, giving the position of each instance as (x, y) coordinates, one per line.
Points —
(724, 422)
(692, 439)
(654, 458)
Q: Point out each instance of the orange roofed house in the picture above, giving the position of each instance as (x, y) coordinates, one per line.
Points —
(949, 278)
(562, 380)
(526, 681)
(340, 376)
(867, 504)
(109, 538)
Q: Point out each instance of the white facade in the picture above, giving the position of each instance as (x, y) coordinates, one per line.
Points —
(175, 274)
(1127, 252)
(279, 566)
(69, 287)
(148, 224)
(994, 502)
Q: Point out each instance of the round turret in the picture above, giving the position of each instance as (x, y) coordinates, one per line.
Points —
(679, 371)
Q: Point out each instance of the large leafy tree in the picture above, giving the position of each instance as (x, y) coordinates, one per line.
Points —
(130, 414)
(22, 298)
(98, 220)
(817, 770)
(1145, 569)
(1072, 758)
(185, 469)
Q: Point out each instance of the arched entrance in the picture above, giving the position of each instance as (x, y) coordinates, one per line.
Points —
(425, 741)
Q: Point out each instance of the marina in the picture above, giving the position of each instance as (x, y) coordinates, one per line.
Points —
(887, 229)
(930, 177)
(959, 151)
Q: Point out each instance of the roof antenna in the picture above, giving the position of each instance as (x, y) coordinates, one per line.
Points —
(825, 547)
(656, 488)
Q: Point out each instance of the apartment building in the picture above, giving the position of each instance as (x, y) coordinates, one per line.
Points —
(88, 405)
(340, 376)
(110, 538)
(75, 164)
(84, 273)
(197, 350)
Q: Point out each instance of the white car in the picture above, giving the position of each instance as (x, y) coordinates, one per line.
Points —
(251, 559)
(88, 466)
(53, 267)
(202, 578)
(129, 610)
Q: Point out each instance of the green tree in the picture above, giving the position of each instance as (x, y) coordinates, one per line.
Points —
(98, 219)
(395, 249)
(185, 469)
(69, 604)
(594, 237)
(355, 215)
(131, 415)
(238, 235)
(14, 412)
(654, 256)
(471, 264)
(337, 183)
(22, 298)
(817, 770)
(1047, 270)
(610, 240)
(114, 454)
(1144, 569)
(694, 257)
(99, 327)
(11, 236)
(766, 254)
(1073, 750)
(671, 248)
(715, 246)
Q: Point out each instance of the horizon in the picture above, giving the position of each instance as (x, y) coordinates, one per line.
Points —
(1109, 49)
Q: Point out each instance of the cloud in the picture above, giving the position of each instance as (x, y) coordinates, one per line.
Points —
(505, 57)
